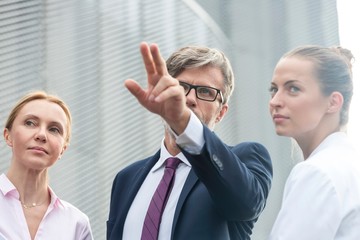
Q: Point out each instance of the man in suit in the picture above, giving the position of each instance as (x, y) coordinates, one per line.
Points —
(219, 191)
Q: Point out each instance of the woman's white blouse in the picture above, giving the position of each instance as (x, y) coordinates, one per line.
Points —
(321, 198)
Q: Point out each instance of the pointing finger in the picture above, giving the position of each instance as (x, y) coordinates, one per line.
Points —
(159, 62)
(135, 89)
(147, 58)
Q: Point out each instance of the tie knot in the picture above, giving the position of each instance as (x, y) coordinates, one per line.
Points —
(172, 162)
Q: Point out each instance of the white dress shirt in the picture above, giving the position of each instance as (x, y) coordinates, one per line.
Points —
(321, 198)
(61, 220)
(191, 140)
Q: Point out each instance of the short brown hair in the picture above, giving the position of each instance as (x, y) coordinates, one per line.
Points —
(200, 56)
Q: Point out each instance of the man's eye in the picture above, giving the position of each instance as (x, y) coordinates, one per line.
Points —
(205, 91)
(185, 86)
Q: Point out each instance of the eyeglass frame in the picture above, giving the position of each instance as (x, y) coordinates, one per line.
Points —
(191, 86)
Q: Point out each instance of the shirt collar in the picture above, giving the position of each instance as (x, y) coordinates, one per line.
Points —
(336, 137)
(55, 200)
(164, 154)
(7, 188)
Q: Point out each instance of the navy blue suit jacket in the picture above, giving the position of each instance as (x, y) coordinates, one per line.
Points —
(223, 196)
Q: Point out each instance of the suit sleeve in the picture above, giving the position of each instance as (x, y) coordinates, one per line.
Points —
(238, 178)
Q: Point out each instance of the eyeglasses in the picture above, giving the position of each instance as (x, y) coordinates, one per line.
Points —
(202, 92)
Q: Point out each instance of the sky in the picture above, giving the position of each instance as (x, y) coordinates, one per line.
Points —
(349, 19)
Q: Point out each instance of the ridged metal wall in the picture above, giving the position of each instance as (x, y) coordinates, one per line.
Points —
(84, 50)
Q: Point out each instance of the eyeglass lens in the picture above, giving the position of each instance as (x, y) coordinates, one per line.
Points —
(202, 92)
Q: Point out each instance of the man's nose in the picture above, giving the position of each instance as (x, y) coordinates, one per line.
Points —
(191, 97)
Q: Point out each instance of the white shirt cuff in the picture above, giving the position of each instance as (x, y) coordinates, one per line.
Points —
(192, 139)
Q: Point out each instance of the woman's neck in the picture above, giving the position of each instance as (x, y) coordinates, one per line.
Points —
(310, 141)
(32, 185)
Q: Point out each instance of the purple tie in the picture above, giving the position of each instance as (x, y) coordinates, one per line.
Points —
(152, 221)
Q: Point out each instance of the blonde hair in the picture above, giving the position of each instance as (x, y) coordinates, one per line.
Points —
(40, 95)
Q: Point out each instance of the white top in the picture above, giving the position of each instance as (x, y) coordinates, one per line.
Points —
(193, 139)
(61, 220)
(322, 195)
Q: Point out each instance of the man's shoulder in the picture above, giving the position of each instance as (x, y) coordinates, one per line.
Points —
(129, 174)
(212, 138)
(134, 166)
(250, 146)
(254, 154)
(139, 164)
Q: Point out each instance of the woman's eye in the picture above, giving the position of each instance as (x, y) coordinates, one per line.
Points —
(272, 90)
(55, 130)
(294, 89)
(29, 123)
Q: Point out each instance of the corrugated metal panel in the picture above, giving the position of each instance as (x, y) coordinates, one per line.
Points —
(21, 56)
(84, 50)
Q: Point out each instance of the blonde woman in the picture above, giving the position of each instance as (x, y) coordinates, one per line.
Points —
(38, 131)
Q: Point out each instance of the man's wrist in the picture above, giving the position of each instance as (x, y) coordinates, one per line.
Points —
(179, 126)
(192, 138)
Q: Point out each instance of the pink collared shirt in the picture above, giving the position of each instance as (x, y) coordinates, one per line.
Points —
(61, 220)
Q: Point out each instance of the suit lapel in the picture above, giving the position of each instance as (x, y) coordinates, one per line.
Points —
(139, 178)
(189, 184)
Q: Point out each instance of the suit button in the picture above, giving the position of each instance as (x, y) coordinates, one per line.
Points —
(217, 162)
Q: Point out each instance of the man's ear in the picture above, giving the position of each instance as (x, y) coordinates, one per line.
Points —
(336, 101)
(224, 109)
(7, 137)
